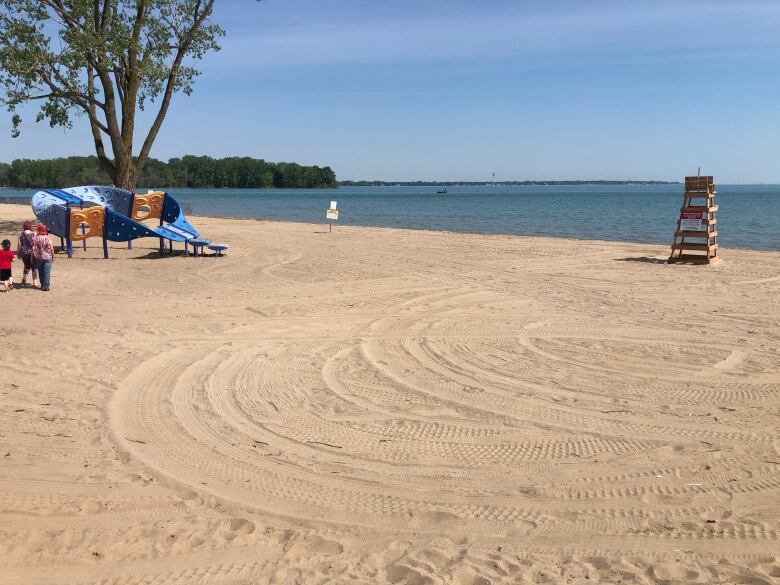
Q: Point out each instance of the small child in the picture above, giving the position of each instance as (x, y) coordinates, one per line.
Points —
(6, 257)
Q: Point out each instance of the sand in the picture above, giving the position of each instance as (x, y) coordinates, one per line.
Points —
(391, 406)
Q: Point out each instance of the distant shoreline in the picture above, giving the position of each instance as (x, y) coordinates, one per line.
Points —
(496, 183)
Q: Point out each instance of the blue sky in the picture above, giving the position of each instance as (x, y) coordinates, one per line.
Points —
(455, 90)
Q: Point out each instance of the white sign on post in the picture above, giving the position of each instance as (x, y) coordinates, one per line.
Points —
(331, 215)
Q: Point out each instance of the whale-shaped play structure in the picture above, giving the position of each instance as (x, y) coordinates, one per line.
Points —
(116, 215)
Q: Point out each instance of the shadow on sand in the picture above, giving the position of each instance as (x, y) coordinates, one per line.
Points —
(645, 259)
(155, 255)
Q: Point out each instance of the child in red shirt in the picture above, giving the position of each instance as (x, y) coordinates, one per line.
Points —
(6, 257)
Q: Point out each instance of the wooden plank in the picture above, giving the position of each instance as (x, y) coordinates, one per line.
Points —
(691, 256)
(688, 246)
(699, 183)
(691, 234)
(688, 258)
(699, 209)
(691, 259)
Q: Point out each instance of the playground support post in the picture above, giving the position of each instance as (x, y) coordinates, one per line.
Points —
(162, 244)
(105, 234)
(68, 241)
(132, 204)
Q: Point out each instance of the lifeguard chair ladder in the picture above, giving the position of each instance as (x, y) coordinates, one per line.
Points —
(696, 222)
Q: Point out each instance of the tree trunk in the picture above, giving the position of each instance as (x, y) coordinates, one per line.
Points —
(124, 175)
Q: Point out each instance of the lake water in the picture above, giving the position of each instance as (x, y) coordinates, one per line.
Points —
(749, 215)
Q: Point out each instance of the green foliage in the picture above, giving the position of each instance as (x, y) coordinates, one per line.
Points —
(188, 171)
(76, 170)
(104, 59)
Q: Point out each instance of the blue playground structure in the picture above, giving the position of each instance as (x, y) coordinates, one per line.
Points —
(78, 213)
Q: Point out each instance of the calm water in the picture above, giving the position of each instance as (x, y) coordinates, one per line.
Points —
(749, 215)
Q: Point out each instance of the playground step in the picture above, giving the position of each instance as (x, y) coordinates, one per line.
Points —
(218, 248)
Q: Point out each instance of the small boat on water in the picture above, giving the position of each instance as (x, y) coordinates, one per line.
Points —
(442, 192)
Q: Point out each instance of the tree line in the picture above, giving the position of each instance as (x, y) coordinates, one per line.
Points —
(188, 171)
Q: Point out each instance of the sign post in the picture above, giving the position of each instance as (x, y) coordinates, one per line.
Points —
(331, 215)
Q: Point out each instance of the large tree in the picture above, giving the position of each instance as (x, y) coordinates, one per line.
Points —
(104, 59)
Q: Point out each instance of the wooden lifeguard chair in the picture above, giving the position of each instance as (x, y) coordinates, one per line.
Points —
(696, 236)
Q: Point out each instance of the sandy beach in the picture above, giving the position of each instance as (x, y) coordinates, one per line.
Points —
(390, 406)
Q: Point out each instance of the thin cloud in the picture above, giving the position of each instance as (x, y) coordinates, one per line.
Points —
(505, 31)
